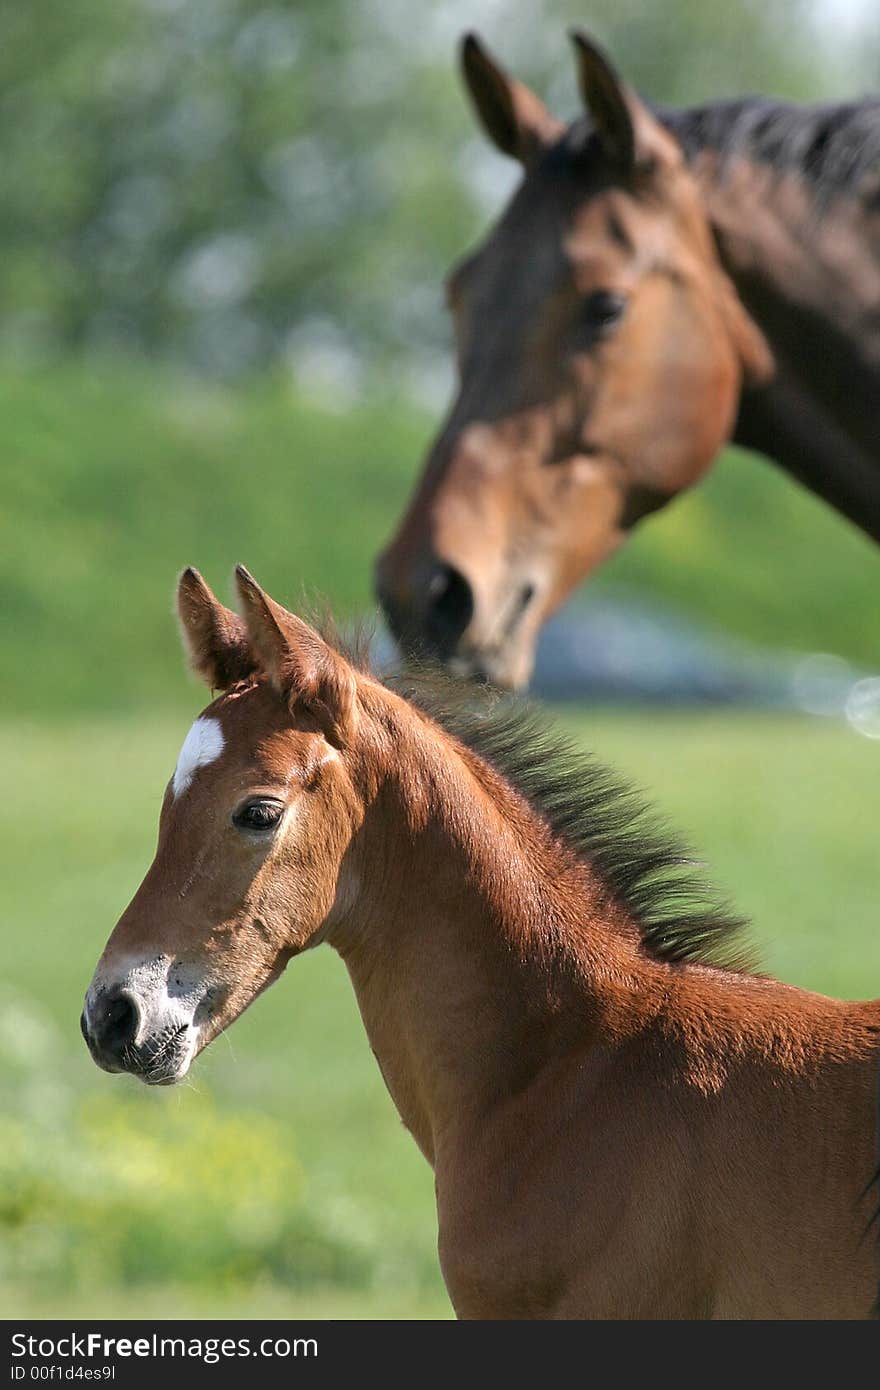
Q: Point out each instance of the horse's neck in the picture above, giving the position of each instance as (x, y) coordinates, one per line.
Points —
(470, 973)
(811, 279)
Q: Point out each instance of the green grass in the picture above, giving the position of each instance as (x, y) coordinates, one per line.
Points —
(113, 478)
(280, 1182)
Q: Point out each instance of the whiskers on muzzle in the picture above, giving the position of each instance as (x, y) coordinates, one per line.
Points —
(162, 1059)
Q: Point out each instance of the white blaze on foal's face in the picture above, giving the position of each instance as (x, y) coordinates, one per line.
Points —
(153, 996)
(202, 745)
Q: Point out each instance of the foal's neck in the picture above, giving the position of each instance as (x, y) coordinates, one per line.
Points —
(479, 951)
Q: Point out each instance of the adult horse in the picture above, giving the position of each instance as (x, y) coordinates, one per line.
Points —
(622, 1121)
(662, 281)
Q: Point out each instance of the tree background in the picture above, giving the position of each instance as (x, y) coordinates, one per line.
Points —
(230, 182)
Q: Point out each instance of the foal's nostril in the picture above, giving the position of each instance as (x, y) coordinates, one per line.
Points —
(113, 1026)
(450, 607)
(120, 1022)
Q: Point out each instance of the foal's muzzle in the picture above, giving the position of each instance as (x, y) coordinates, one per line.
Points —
(113, 1028)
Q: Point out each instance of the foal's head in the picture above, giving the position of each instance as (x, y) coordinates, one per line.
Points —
(253, 834)
(310, 802)
(601, 349)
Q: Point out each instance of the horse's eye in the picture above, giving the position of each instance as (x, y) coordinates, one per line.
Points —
(258, 815)
(599, 313)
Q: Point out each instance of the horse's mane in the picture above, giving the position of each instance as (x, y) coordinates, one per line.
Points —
(832, 147)
(595, 814)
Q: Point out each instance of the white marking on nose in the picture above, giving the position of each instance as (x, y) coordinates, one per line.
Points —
(202, 745)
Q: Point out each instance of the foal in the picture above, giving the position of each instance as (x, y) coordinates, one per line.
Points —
(620, 1126)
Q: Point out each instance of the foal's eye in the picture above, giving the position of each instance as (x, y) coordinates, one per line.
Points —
(258, 815)
(599, 313)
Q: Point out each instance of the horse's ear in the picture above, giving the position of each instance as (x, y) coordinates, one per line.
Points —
(514, 118)
(630, 136)
(298, 662)
(214, 638)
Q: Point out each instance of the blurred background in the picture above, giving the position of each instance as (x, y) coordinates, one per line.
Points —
(223, 229)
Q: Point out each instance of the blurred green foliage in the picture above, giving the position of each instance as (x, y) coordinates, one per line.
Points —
(113, 481)
(230, 180)
(91, 1197)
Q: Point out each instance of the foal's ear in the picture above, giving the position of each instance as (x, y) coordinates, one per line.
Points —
(514, 118)
(214, 638)
(298, 662)
(630, 136)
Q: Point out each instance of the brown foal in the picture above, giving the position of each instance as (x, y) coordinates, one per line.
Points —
(623, 1122)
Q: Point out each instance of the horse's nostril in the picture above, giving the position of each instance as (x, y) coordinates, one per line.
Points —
(450, 607)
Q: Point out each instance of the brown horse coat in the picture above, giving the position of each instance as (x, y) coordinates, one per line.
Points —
(622, 1121)
(661, 282)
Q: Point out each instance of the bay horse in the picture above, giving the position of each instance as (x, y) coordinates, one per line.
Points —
(623, 1122)
(662, 281)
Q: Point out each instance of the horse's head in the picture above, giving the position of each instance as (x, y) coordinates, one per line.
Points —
(255, 825)
(601, 350)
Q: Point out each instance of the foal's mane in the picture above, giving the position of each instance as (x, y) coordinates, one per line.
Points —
(594, 814)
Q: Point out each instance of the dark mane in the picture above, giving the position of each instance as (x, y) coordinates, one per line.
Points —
(833, 147)
(596, 815)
